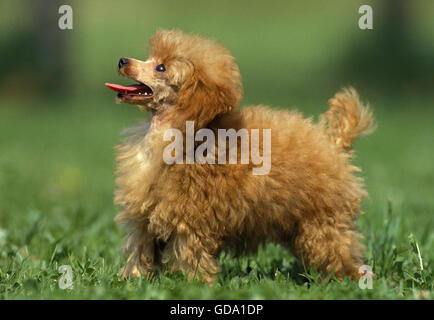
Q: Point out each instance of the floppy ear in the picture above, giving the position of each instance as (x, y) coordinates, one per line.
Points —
(202, 101)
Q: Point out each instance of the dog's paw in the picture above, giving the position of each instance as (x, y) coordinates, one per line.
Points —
(129, 272)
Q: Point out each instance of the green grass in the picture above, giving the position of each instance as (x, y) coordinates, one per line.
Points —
(56, 208)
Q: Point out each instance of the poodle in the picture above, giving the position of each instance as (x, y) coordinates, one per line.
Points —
(186, 214)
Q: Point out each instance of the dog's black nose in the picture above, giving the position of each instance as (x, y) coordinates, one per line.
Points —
(122, 62)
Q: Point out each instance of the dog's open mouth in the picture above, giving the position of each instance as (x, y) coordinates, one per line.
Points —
(134, 93)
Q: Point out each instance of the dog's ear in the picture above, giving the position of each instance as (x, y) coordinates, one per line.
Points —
(201, 101)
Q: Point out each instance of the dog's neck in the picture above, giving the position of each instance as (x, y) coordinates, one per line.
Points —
(167, 119)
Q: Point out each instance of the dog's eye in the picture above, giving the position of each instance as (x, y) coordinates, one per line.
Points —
(160, 68)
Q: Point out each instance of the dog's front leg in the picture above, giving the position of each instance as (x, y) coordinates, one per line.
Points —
(140, 248)
(193, 255)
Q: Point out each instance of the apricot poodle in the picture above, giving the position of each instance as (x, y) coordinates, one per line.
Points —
(186, 214)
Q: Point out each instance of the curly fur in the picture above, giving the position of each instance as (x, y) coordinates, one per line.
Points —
(187, 214)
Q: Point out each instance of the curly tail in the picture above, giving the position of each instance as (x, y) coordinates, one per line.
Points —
(347, 119)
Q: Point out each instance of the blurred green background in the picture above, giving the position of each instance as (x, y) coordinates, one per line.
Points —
(59, 124)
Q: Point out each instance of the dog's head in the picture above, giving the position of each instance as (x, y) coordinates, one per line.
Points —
(185, 77)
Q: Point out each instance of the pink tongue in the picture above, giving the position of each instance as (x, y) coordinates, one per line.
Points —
(119, 88)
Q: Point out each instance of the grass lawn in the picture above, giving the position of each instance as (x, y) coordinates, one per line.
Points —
(56, 208)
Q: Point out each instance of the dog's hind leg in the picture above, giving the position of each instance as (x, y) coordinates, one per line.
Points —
(328, 248)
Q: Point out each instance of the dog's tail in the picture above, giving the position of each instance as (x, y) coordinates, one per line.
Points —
(347, 119)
